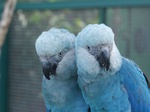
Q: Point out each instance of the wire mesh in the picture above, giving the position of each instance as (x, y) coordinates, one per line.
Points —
(24, 72)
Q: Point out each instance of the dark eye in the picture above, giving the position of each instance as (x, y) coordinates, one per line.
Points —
(60, 54)
(88, 48)
(100, 47)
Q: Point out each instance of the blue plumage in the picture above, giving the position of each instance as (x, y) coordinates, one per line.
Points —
(105, 94)
(61, 92)
(109, 82)
(136, 86)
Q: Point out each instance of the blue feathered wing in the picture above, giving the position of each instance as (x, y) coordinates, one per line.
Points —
(136, 85)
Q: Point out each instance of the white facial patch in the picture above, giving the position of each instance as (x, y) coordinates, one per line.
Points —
(87, 65)
(67, 67)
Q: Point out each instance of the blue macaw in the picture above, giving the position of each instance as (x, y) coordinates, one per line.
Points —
(61, 92)
(108, 81)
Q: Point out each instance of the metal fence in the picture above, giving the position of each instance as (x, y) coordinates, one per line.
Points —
(20, 69)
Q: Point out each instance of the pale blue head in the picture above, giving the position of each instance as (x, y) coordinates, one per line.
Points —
(95, 47)
(95, 34)
(53, 48)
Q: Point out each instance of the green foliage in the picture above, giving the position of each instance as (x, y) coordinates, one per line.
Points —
(72, 20)
(36, 17)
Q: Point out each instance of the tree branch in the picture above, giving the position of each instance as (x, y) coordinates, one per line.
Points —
(6, 19)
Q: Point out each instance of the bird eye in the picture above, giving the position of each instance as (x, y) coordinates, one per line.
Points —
(100, 47)
(60, 54)
(88, 48)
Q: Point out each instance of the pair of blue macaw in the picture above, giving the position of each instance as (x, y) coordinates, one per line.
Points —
(88, 73)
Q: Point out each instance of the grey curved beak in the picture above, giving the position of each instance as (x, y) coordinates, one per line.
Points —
(49, 69)
(104, 58)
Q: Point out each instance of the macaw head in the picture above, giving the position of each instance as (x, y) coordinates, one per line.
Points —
(96, 50)
(55, 49)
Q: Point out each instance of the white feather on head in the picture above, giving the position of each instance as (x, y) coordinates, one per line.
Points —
(53, 41)
(91, 34)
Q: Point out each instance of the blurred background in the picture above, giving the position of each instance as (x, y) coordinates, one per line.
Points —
(20, 68)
